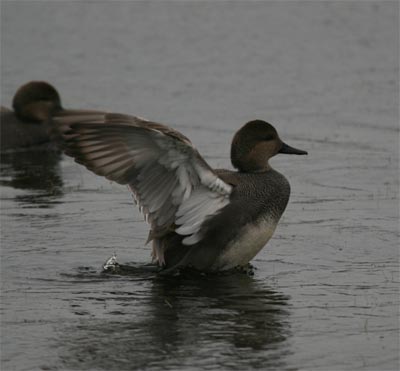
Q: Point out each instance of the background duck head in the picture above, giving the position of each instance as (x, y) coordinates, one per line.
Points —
(34, 103)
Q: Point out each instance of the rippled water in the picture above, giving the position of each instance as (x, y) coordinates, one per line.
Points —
(325, 292)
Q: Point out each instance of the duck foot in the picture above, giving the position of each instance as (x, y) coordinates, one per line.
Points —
(247, 269)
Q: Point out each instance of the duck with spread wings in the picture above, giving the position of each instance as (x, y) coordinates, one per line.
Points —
(208, 219)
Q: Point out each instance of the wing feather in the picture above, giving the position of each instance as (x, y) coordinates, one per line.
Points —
(171, 183)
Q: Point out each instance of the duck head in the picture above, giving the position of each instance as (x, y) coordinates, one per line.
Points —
(36, 101)
(254, 144)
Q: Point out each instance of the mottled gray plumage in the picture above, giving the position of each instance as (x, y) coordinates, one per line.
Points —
(200, 217)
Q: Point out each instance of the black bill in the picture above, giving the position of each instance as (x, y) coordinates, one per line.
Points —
(291, 151)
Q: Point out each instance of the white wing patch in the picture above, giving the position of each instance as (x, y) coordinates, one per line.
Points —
(191, 214)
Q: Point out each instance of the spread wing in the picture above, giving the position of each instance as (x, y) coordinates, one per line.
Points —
(172, 184)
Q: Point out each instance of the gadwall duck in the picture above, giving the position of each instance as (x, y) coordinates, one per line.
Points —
(34, 103)
(204, 218)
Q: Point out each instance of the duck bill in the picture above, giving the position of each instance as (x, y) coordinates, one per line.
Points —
(291, 151)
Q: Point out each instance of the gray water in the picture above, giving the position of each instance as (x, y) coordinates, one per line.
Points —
(325, 292)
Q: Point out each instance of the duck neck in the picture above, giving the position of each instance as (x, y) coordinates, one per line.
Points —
(251, 165)
(249, 160)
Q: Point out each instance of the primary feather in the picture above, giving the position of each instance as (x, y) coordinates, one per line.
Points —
(172, 184)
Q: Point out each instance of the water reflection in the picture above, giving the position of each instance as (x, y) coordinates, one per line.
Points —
(233, 322)
(36, 170)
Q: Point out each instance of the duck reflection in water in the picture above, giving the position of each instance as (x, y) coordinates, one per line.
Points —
(232, 321)
(34, 170)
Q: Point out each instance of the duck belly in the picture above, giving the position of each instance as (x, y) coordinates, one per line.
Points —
(251, 239)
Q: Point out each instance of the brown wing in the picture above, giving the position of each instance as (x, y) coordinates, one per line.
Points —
(172, 184)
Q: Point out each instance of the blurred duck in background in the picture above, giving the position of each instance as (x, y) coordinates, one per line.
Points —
(29, 160)
(25, 126)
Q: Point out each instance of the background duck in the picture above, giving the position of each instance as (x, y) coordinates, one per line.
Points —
(24, 126)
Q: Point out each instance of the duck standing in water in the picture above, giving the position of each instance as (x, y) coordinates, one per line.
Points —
(33, 103)
(204, 218)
